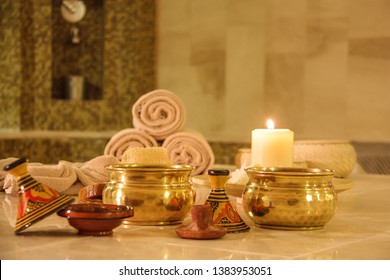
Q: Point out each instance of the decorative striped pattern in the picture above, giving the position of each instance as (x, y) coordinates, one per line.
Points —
(217, 196)
(224, 214)
(374, 158)
(27, 182)
(375, 164)
(36, 200)
(41, 212)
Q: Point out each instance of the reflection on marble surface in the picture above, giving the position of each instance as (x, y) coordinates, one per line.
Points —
(10, 204)
(360, 229)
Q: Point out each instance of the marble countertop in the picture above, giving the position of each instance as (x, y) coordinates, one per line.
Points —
(360, 229)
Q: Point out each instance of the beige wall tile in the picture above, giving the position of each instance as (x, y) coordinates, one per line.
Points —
(368, 100)
(369, 18)
(285, 25)
(284, 90)
(311, 65)
(244, 81)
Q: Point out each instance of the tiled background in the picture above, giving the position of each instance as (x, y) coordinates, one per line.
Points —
(319, 68)
(124, 38)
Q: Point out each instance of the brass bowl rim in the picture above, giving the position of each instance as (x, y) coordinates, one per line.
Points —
(150, 167)
(290, 171)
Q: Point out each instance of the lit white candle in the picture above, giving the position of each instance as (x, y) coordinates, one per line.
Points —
(272, 147)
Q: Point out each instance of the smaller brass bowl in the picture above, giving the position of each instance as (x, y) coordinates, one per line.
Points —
(95, 219)
(160, 194)
(290, 198)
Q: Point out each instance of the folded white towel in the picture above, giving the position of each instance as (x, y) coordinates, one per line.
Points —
(65, 177)
(128, 138)
(94, 171)
(160, 113)
(190, 148)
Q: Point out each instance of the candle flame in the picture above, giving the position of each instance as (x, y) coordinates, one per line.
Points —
(270, 124)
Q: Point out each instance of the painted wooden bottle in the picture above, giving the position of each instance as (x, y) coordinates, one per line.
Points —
(224, 213)
(36, 200)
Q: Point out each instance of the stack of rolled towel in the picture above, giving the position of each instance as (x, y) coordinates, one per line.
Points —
(159, 121)
(158, 118)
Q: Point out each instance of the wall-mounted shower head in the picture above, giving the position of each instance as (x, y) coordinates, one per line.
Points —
(73, 10)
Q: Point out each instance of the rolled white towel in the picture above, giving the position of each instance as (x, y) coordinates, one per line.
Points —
(189, 147)
(128, 138)
(160, 113)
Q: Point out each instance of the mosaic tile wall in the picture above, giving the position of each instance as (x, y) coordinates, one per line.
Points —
(80, 149)
(10, 64)
(36, 55)
(116, 51)
(51, 150)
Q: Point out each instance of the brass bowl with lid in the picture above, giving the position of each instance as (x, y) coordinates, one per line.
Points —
(159, 194)
(290, 198)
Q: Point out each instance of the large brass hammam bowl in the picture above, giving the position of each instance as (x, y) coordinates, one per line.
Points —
(290, 198)
(159, 194)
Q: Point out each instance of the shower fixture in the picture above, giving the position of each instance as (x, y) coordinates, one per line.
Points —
(73, 11)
